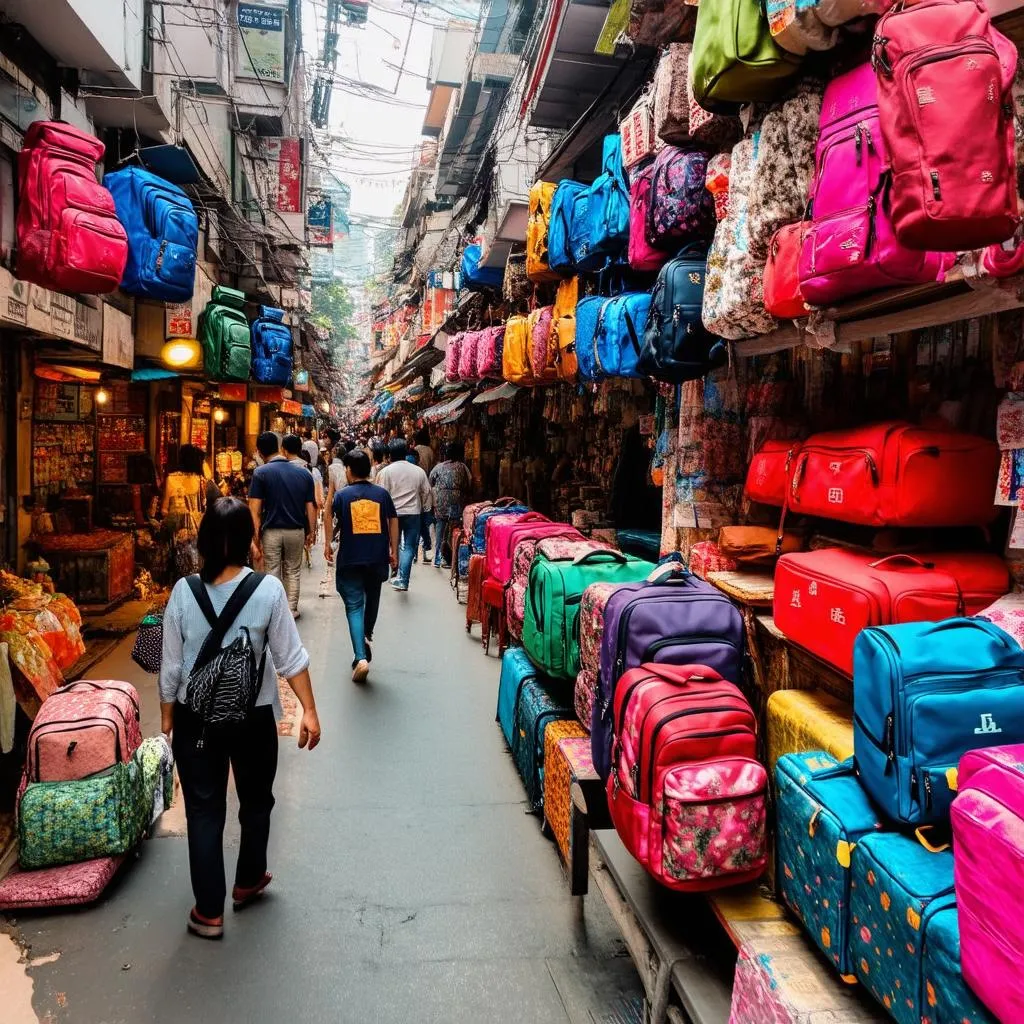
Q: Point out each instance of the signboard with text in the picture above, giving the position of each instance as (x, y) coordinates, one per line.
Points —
(261, 42)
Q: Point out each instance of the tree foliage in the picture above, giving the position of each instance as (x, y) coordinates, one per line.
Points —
(333, 310)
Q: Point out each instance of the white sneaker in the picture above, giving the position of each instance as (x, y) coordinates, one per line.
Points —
(361, 671)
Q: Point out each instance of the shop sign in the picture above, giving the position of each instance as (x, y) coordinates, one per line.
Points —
(266, 393)
(62, 315)
(118, 338)
(233, 392)
(178, 321)
(13, 299)
(289, 176)
(89, 326)
(320, 221)
(291, 408)
(38, 316)
(261, 49)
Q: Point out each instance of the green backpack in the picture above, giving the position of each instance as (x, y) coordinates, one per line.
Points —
(735, 59)
(225, 335)
(553, 597)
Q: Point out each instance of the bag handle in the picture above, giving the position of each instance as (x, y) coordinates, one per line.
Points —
(983, 624)
(915, 563)
(603, 555)
(631, 328)
(669, 572)
(505, 502)
(532, 517)
(220, 624)
(921, 833)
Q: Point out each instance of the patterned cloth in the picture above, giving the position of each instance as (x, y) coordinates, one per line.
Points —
(584, 696)
(566, 759)
(451, 482)
(65, 886)
(1008, 614)
(591, 619)
(157, 773)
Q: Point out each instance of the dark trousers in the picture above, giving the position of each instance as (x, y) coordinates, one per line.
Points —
(251, 750)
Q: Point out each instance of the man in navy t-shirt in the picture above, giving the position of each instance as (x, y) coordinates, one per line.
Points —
(368, 527)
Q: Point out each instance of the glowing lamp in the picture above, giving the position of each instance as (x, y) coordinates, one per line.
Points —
(181, 353)
(102, 396)
(219, 415)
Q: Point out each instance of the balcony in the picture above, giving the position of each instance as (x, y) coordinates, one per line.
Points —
(449, 60)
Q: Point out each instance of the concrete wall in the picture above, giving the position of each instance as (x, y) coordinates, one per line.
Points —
(117, 25)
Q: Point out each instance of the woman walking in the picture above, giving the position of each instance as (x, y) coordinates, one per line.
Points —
(451, 482)
(184, 501)
(203, 749)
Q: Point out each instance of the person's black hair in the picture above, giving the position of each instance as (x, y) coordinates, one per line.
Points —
(413, 456)
(190, 459)
(225, 535)
(455, 452)
(333, 434)
(292, 444)
(358, 463)
(304, 455)
(399, 449)
(379, 452)
(350, 445)
(267, 444)
(423, 436)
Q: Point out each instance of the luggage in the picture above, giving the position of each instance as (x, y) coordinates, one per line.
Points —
(682, 210)
(931, 58)
(675, 619)
(987, 832)
(82, 729)
(824, 598)
(271, 348)
(563, 324)
(896, 474)
(588, 313)
(489, 351)
(584, 694)
(602, 218)
(504, 507)
(502, 534)
(849, 246)
(898, 888)
(475, 276)
(539, 705)
(591, 628)
(768, 475)
(799, 720)
(69, 237)
(157, 762)
(225, 335)
(522, 560)
(163, 235)
(636, 132)
(515, 359)
(641, 253)
(467, 357)
(102, 815)
(560, 259)
(553, 599)
(475, 593)
(735, 60)
(782, 295)
(676, 346)
(686, 793)
(452, 355)
(671, 105)
(542, 351)
(706, 557)
(946, 990)
(542, 194)
(924, 694)
(516, 671)
(821, 815)
(758, 545)
(566, 760)
(620, 327)
(66, 886)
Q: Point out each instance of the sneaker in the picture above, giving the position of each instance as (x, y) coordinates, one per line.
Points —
(446, 565)
(205, 927)
(397, 584)
(427, 559)
(361, 671)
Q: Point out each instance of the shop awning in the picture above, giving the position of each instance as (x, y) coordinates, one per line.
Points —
(148, 373)
(498, 394)
(410, 393)
(441, 412)
(63, 374)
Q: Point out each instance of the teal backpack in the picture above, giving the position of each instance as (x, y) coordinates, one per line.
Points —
(225, 335)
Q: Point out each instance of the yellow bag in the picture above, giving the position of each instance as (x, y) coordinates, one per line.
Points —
(541, 194)
(515, 363)
(564, 328)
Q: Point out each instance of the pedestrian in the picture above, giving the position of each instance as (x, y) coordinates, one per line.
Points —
(426, 453)
(427, 515)
(367, 548)
(309, 445)
(410, 491)
(451, 482)
(379, 454)
(203, 750)
(291, 445)
(182, 506)
(283, 505)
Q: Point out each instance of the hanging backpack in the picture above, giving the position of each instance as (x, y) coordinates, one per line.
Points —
(717, 183)
(797, 28)
(467, 357)
(475, 276)
(271, 347)
(671, 108)
(489, 352)
(642, 255)
(588, 312)
(560, 259)
(69, 237)
(542, 352)
(515, 359)
(600, 228)
(782, 295)
(452, 353)
(636, 132)
(941, 67)
(681, 210)
(620, 327)
(563, 325)
(225, 335)
(542, 195)
(676, 345)
(163, 235)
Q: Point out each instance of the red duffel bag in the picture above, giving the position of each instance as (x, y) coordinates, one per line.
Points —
(823, 599)
(896, 474)
(768, 474)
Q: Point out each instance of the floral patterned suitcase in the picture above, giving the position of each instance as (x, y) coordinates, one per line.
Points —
(539, 704)
(584, 695)
(558, 774)
(65, 886)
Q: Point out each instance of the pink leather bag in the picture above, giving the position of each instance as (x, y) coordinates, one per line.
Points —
(941, 68)
(988, 844)
(850, 247)
(83, 728)
(642, 255)
(489, 351)
(451, 358)
(467, 357)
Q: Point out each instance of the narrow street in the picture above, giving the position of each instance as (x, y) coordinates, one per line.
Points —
(411, 884)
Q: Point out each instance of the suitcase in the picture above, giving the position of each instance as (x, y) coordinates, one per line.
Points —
(479, 533)
(801, 720)
(516, 670)
(987, 832)
(504, 533)
(898, 887)
(896, 474)
(591, 625)
(65, 886)
(947, 994)
(566, 760)
(539, 705)
(584, 693)
(823, 599)
(83, 728)
(923, 695)
(475, 596)
(821, 814)
(522, 559)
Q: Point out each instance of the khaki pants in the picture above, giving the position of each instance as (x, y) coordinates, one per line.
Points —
(282, 557)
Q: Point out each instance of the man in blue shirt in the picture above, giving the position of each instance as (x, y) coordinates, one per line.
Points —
(368, 526)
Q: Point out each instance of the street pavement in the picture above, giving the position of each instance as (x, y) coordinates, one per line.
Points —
(411, 885)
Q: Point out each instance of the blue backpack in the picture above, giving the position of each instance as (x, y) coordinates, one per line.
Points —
(600, 229)
(923, 695)
(476, 277)
(163, 235)
(271, 347)
(588, 312)
(560, 226)
(620, 328)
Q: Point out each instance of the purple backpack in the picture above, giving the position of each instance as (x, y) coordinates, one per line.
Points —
(675, 618)
(682, 210)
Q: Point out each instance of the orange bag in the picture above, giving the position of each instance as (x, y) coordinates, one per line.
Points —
(756, 545)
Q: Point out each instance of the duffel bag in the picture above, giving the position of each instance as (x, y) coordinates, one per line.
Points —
(522, 560)
(489, 351)
(896, 474)
(542, 195)
(923, 695)
(560, 226)
(823, 599)
(768, 475)
(515, 359)
(620, 327)
(686, 793)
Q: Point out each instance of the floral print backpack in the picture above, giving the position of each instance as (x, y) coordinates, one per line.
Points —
(682, 210)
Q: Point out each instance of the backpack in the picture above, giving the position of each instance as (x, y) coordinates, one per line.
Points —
(541, 353)
(522, 559)
(467, 357)
(515, 360)
(605, 212)
(735, 60)
(687, 794)
(671, 109)
(271, 347)
(69, 237)
(563, 325)
(542, 195)
(924, 694)
(850, 246)
(636, 132)
(560, 258)
(475, 276)
(225, 335)
(489, 352)
(225, 681)
(782, 295)
(620, 327)
(681, 208)
(588, 312)
(163, 235)
(452, 354)
(509, 507)
(676, 345)
(941, 66)
(642, 255)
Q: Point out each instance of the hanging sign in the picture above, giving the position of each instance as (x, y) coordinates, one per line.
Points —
(320, 222)
(291, 408)
(233, 392)
(266, 393)
(289, 176)
(261, 43)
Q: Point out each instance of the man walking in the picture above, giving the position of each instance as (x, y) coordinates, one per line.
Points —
(410, 491)
(283, 506)
(368, 526)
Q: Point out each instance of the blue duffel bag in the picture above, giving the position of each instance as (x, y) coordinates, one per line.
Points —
(588, 312)
(600, 226)
(619, 334)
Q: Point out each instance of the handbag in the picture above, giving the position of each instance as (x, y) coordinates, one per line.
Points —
(147, 651)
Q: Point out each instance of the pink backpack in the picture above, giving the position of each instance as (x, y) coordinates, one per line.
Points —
(543, 367)
(467, 357)
(489, 351)
(988, 847)
(522, 559)
(642, 255)
(681, 210)
(943, 70)
(451, 358)
(850, 246)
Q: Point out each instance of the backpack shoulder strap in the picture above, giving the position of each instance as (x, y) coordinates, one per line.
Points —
(220, 624)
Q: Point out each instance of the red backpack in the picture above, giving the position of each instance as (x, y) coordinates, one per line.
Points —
(69, 237)
(941, 66)
(686, 792)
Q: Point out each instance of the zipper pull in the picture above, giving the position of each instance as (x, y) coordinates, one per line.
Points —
(873, 467)
(927, 792)
(868, 139)
(857, 140)
(872, 207)
(936, 190)
(634, 774)
(620, 666)
(890, 737)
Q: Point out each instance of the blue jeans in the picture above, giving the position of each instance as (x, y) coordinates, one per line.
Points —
(443, 530)
(409, 532)
(359, 586)
(427, 521)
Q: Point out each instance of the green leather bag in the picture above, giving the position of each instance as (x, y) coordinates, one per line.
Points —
(735, 60)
